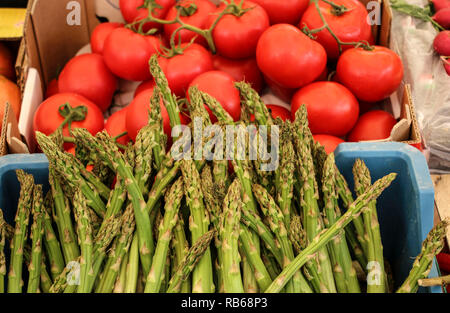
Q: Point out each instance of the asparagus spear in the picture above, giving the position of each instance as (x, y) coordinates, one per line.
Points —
(168, 98)
(110, 154)
(181, 250)
(254, 103)
(276, 222)
(202, 280)
(143, 157)
(63, 164)
(118, 252)
(356, 229)
(37, 232)
(159, 139)
(313, 222)
(323, 238)
(85, 239)
(229, 236)
(345, 274)
(63, 220)
(15, 281)
(51, 242)
(132, 267)
(119, 285)
(286, 175)
(431, 246)
(362, 180)
(190, 261)
(172, 205)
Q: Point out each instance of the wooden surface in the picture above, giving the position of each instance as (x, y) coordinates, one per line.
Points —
(442, 199)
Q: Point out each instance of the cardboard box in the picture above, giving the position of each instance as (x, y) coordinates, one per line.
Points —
(50, 42)
(12, 22)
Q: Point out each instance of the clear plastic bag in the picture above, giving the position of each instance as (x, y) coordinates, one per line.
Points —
(413, 39)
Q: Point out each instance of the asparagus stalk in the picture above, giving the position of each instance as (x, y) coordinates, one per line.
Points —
(143, 156)
(431, 246)
(345, 274)
(63, 220)
(119, 286)
(15, 281)
(190, 261)
(276, 222)
(324, 237)
(85, 239)
(286, 171)
(168, 98)
(229, 236)
(254, 222)
(172, 205)
(309, 194)
(63, 164)
(51, 242)
(181, 250)
(110, 154)
(202, 279)
(132, 267)
(118, 252)
(377, 283)
(101, 242)
(357, 227)
(37, 232)
(159, 139)
(254, 103)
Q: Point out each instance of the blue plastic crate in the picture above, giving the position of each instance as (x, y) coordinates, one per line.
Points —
(405, 209)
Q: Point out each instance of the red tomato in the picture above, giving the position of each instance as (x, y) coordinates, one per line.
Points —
(88, 76)
(373, 125)
(329, 142)
(284, 11)
(148, 84)
(137, 114)
(236, 37)
(52, 88)
(220, 85)
(351, 26)
(288, 57)
(276, 111)
(131, 13)
(371, 75)
(127, 53)
(199, 18)
(181, 69)
(332, 108)
(116, 125)
(99, 35)
(47, 117)
(246, 69)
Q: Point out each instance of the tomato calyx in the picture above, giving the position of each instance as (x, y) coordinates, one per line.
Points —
(187, 11)
(71, 114)
(236, 9)
(174, 49)
(337, 10)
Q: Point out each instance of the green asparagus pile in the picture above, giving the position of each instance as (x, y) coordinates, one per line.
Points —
(145, 221)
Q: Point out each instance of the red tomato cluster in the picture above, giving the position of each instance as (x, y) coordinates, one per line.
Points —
(272, 44)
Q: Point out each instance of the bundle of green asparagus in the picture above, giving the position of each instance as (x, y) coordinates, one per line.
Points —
(184, 222)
